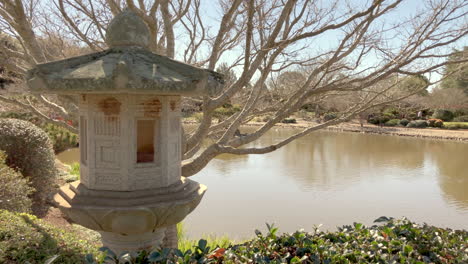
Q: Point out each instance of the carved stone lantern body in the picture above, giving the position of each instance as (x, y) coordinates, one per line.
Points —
(130, 186)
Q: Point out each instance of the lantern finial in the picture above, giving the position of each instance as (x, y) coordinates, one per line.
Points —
(127, 29)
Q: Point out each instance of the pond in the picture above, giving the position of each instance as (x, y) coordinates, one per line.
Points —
(332, 179)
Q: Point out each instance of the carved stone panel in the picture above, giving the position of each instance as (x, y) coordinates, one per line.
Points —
(107, 125)
(108, 154)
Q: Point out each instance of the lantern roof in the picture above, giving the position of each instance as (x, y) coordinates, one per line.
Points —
(126, 67)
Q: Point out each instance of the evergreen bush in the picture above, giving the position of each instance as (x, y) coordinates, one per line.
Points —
(26, 239)
(390, 241)
(329, 116)
(29, 149)
(417, 124)
(289, 121)
(463, 118)
(14, 189)
(392, 122)
(62, 139)
(404, 122)
(445, 115)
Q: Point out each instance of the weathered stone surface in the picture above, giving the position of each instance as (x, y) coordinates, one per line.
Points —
(130, 221)
(127, 29)
(123, 70)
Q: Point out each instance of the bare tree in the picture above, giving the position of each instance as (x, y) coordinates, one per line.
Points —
(343, 47)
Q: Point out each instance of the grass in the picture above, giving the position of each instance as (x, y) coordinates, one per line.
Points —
(212, 241)
(456, 125)
(75, 169)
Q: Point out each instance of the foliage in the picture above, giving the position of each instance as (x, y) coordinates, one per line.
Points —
(62, 139)
(198, 116)
(75, 169)
(415, 83)
(329, 116)
(392, 122)
(29, 149)
(456, 75)
(226, 111)
(404, 122)
(14, 189)
(185, 243)
(379, 118)
(289, 121)
(455, 125)
(394, 241)
(444, 114)
(463, 118)
(24, 238)
(417, 124)
(435, 122)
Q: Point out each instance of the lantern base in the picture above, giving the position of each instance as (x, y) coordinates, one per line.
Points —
(132, 243)
(133, 220)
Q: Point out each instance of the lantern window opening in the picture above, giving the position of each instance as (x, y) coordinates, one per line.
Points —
(146, 140)
(83, 140)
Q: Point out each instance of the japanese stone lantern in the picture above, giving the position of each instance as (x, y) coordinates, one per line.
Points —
(130, 188)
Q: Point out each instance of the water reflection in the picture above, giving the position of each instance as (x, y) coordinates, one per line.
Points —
(335, 179)
(452, 171)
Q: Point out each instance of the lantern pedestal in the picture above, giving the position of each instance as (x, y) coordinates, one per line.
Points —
(130, 221)
(120, 243)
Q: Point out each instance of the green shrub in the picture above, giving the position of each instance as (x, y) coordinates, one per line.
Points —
(26, 239)
(392, 122)
(404, 122)
(461, 112)
(29, 149)
(463, 118)
(14, 189)
(393, 241)
(62, 139)
(455, 125)
(435, 122)
(289, 121)
(378, 119)
(198, 116)
(417, 124)
(226, 111)
(445, 115)
(329, 116)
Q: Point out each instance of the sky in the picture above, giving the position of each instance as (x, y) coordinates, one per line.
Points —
(212, 15)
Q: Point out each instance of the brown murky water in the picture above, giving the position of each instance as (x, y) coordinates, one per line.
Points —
(331, 179)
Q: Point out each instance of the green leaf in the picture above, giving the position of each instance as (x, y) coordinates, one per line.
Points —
(295, 260)
(382, 219)
(89, 259)
(408, 249)
(155, 256)
(358, 226)
(202, 244)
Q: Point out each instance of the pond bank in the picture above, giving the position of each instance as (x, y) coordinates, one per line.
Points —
(354, 126)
